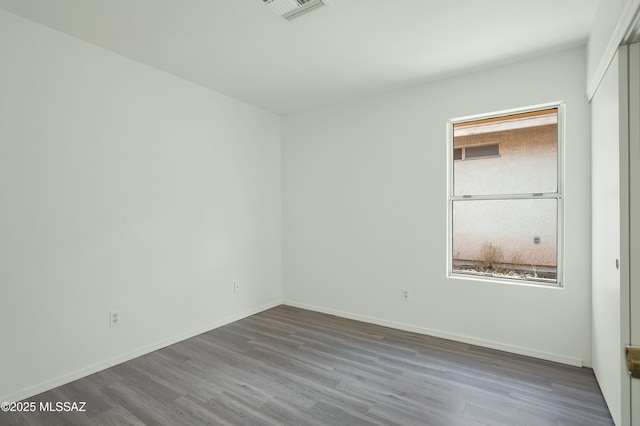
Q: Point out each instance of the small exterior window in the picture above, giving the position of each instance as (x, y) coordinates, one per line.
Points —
(492, 150)
(505, 211)
(476, 151)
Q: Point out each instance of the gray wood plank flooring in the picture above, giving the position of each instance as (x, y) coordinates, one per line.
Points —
(289, 366)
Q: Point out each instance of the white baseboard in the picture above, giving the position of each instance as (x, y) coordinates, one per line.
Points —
(576, 362)
(102, 365)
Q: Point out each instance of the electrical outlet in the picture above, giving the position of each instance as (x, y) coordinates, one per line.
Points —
(114, 318)
(236, 288)
(405, 294)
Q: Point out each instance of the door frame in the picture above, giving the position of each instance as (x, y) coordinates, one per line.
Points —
(631, 229)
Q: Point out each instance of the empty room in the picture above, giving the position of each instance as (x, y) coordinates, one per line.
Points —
(320, 212)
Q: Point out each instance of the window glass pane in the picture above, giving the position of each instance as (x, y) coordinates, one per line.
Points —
(528, 155)
(506, 238)
(457, 154)
(482, 151)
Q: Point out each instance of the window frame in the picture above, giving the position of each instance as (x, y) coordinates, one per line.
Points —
(558, 195)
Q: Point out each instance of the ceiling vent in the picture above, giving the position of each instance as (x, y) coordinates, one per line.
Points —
(291, 9)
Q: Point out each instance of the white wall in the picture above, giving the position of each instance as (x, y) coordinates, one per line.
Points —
(605, 182)
(123, 187)
(364, 213)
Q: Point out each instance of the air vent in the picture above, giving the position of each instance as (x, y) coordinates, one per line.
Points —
(291, 9)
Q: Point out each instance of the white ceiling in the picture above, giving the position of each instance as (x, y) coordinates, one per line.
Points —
(350, 49)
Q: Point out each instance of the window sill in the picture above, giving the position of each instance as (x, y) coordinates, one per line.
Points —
(496, 279)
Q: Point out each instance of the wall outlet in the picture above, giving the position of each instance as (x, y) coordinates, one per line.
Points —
(405, 294)
(114, 318)
(236, 288)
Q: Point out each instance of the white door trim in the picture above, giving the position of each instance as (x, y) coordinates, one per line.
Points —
(625, 261)
(626, 31)
(633, 212)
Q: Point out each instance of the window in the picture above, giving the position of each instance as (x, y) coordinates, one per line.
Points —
(479, 151)
(505, 206)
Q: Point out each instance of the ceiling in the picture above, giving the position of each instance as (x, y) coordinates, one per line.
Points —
(350, 49)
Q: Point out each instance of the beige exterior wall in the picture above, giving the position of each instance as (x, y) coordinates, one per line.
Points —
(527, 164)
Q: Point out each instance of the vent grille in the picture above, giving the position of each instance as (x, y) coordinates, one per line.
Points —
(291, 9)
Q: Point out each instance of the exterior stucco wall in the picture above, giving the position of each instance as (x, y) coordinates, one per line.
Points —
(527, 164)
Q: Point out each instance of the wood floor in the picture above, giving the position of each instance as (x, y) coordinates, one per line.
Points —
(288, 366)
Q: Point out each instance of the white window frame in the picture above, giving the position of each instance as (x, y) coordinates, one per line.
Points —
(559, 195)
